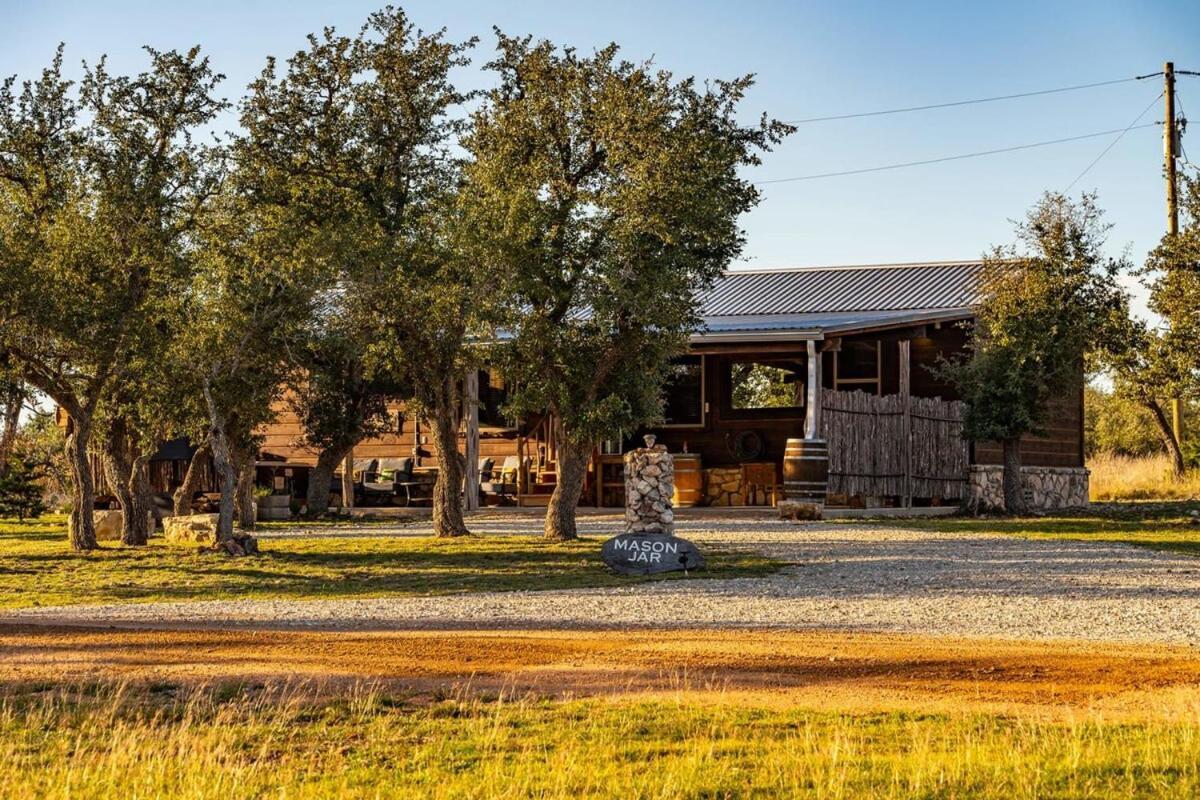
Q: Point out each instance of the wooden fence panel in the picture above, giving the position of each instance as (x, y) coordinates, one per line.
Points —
(864, 432)
(876, 442)
(940, 454)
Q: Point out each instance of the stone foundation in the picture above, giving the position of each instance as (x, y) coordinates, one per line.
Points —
(1046, 488)
(723, 486)
(649, 485)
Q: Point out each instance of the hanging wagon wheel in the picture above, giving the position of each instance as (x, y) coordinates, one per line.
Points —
(744, 445)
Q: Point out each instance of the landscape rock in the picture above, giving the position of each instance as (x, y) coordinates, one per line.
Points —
(108, 525)
(191, 530)
(796, 510)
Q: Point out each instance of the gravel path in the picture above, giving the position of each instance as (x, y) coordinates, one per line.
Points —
(842, 577)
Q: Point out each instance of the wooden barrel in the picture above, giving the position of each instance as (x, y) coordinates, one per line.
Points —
(689, 480)
(806, 470)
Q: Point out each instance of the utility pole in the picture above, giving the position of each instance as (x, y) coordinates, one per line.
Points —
(1170, 154)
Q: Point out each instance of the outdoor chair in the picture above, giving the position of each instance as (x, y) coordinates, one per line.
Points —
(397, 475)
(502, 483)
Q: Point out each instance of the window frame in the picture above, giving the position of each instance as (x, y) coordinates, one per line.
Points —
(852, 383)
(784, 413)
(703, 399)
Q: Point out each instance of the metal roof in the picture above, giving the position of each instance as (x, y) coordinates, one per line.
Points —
(876, 287)
(817, 326)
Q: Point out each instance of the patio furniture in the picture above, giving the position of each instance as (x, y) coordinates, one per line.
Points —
(760, 477)
(502, 483)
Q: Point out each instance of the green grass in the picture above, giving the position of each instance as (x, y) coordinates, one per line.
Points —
(237, 741)
(37, 567)
(1161, 526)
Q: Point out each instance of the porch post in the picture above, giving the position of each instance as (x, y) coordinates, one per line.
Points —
(812, 414)
(471, 397)
(348, 480)
(906, 420)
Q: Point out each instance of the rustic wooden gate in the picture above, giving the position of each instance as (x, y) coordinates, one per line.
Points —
(894, 446)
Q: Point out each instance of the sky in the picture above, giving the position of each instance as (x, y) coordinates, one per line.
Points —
(810, 59)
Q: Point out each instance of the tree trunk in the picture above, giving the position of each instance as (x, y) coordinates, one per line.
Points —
(572, 470)
(227, 474)
(13, 401)
(222, 456)
(1167, 432)
(244, 502)
(1014, 492)
(191, 481)
(81, 525)
(138, 515)
(447, 491)
(320, 479)
(127, 474)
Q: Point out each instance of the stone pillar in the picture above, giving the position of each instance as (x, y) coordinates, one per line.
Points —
(649, 485)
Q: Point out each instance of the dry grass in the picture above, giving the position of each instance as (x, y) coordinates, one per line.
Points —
(259, 741)
(1124, 478)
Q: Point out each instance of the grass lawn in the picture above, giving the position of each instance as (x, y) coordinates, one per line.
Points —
(1161, 526)
(255, 741)
(37, 567)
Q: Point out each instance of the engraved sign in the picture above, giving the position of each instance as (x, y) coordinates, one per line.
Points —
(650, 553)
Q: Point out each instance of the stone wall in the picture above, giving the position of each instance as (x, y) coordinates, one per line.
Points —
(723, 486)
(1046, 488)
(649, 485)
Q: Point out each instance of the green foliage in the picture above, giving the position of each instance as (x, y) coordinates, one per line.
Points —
(1048, 303)
(607, 196)
(1174, 271)
(1117, 425)
(21, 487)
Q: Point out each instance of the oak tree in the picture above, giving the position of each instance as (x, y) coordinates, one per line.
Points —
(607, 196)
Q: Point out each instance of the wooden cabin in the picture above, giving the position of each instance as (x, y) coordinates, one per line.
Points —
(846, 354)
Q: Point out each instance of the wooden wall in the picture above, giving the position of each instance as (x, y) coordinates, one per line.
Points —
(280, 440)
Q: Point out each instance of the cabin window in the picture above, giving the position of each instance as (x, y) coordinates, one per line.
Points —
(683, 393)
(766, 384)
(493, 394)
(856, 367)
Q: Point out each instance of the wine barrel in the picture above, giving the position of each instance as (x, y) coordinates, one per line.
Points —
(689, 480)
(806, 470)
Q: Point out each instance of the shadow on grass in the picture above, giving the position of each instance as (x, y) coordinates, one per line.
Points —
(40, 569)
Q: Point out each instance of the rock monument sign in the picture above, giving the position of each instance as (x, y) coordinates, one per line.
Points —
(649, 544)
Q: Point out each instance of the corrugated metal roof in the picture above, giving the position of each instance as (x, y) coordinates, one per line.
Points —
(877, 287)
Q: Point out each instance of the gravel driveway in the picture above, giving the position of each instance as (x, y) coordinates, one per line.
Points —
(840, 577)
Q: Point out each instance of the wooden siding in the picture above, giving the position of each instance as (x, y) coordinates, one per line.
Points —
(280, 440)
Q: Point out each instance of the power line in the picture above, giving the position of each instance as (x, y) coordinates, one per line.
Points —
(968, 102)
(954, 158)
(1112, 144)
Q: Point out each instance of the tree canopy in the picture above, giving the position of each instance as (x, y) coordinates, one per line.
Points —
(607, 194)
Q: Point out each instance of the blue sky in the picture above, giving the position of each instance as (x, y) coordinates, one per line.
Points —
(811, 59)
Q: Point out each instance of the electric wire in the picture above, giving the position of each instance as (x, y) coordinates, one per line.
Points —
(956, 103)
(1112, 144)
(958, 157)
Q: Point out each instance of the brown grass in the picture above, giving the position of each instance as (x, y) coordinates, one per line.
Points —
(1124, 478)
